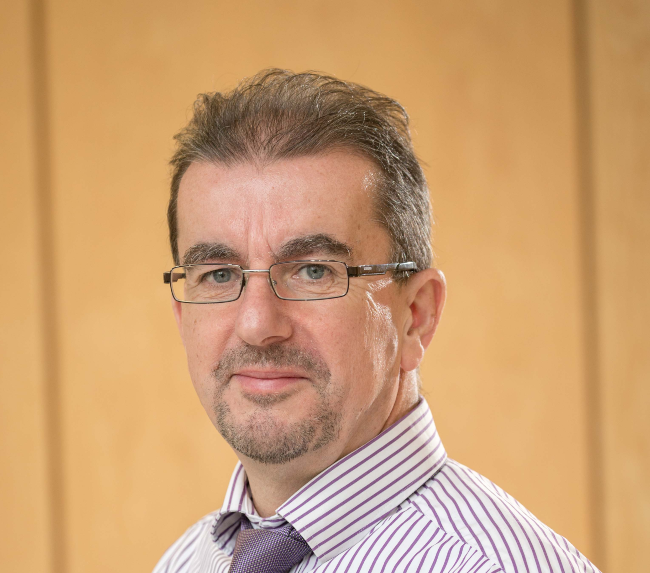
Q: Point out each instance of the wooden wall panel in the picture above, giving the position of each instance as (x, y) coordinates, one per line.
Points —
(619, 63)
(505, 374)
(489, 87)
(24, 527)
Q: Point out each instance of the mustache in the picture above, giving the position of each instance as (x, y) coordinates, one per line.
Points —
(274, 355)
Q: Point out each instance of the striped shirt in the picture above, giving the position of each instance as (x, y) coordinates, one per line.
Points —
(397, 504)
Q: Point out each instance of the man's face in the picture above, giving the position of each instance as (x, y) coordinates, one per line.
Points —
(285, 379)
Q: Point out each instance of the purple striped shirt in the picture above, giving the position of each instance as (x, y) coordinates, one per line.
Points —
(397, 504)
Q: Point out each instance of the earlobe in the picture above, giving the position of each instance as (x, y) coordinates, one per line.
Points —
(426, 299)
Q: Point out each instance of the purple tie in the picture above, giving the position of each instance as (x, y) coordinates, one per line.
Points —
(267, 550)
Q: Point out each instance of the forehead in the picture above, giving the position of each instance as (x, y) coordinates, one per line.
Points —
(256, 209)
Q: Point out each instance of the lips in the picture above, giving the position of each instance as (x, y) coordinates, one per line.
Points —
(266, 381)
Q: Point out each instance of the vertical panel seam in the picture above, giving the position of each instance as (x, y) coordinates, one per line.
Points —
(589, 279)
(47, 278)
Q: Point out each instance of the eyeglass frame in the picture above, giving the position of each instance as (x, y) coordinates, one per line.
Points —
(357, 271)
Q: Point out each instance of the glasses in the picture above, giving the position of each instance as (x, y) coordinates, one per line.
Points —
(292, 280)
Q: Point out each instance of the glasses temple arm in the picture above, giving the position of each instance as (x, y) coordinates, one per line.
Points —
(170, 277)
(369, 270)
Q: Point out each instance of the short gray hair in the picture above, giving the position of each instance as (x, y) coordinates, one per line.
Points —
(278, 114)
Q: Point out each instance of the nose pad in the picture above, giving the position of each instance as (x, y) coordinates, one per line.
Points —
(272, 283)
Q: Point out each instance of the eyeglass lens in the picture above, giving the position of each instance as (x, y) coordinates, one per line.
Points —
(306, 280)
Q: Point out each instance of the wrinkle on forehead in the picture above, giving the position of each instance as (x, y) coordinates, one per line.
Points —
(258, 212)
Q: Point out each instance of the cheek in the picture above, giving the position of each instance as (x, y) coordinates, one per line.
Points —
(204, 337)
(366, 343)
(380, 338)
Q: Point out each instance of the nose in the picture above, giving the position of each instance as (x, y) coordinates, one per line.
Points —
(261, 318)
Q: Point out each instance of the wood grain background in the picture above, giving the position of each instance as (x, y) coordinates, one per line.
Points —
(533, 120)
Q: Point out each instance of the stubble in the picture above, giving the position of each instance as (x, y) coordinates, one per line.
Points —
(261, 435)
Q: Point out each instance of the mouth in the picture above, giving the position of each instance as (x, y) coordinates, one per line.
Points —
(267, 381)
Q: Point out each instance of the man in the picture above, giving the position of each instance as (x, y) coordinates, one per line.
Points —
(305, 297)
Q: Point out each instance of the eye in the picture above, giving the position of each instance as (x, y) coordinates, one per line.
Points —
(313, 272)
(220, 276)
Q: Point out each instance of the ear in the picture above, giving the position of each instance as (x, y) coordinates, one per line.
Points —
(426, 292)
(177, 309)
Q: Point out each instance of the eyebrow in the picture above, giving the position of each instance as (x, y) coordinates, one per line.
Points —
(314, 244)
(299, 247)
(202, 252)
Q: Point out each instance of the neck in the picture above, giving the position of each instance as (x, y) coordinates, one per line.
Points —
(273, 485)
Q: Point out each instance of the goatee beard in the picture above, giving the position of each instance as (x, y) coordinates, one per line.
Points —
(261, 435)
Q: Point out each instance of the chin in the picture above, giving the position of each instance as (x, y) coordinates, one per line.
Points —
(265, 435)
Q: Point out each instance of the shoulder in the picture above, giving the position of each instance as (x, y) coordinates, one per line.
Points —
(177, 558)
(470, 507)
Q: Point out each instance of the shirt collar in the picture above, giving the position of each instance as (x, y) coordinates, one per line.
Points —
(339, 507)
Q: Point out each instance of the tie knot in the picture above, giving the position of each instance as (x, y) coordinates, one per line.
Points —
(267, 550)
